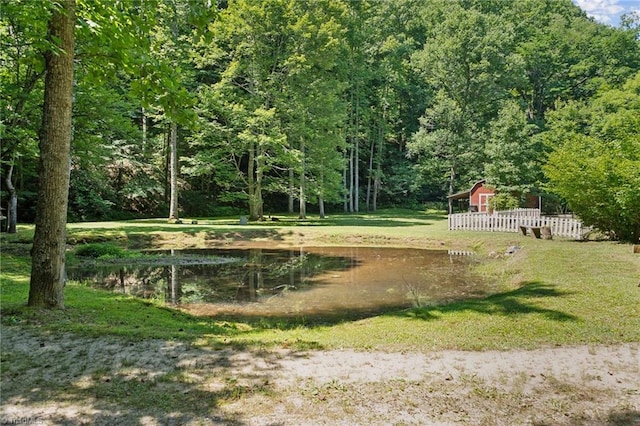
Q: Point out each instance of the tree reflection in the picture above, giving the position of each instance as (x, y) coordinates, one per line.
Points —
(305, 282)
(259, 274)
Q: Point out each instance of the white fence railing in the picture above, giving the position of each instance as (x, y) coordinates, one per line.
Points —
(518, 212)
(560, 226)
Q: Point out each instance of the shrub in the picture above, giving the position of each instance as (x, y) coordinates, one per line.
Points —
(100, 250)
(503, 202)
(595, 160)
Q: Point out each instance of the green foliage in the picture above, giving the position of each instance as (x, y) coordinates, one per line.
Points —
(514, 155)
(336, 92)
(273, 95)
(88, 197)
(101, 251)
(595, 159)
(503, 201)
(447, 143)
(461, 59)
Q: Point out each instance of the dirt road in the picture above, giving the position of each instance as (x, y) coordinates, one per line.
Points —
(71, 380)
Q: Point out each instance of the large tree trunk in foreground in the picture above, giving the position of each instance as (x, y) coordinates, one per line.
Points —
(48, 254)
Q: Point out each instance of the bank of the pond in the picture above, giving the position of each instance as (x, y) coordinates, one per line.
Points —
(546, 293)
(555, 343)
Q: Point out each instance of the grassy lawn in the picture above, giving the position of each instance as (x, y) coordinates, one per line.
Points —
(548, 293)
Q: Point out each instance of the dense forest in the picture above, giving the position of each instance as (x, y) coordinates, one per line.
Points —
(252, 107)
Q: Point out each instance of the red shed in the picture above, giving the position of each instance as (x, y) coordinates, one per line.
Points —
(477, 198)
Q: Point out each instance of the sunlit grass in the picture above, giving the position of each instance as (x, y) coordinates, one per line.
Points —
(557, 292)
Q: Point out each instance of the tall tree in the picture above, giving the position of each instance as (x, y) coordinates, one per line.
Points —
(358, 40)
(270, 59)
(49, 242)
(165, 78)
(514, 155)
(446, 142)
(465, 58)
(313, 109)
(595, 159)
(22, 30)
(246, 56)
(173, 171)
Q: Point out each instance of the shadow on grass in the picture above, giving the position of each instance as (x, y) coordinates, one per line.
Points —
(110, 381)
(623, 417)
(138, 237)
(511, 303)
(521, 301)
(383, 218)
(128, 358)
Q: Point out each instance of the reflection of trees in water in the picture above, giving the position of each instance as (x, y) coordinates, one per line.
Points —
(269, 273)
(140, 281)
(264, 274)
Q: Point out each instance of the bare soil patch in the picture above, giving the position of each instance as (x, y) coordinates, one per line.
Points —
(72, 380)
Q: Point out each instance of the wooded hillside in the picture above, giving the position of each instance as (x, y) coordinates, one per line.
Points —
(260, 106)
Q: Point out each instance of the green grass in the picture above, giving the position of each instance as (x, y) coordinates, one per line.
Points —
(557, 292)
(101, 251)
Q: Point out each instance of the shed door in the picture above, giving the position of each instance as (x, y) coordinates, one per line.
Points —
(484, 202)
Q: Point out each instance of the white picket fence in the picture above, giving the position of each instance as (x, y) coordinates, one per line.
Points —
(518, 212)
(499, 222)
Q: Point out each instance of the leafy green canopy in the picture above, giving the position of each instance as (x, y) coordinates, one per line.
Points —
(595, 162)
(464, 87)
(513, 151)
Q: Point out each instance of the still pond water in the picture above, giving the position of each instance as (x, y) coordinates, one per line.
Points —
(305, 282)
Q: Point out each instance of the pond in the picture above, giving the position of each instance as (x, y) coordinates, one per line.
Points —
(342, 282)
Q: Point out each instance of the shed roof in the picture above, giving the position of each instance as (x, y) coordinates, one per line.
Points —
(465, 194)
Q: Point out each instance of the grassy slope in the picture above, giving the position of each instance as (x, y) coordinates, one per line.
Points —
(550, 293)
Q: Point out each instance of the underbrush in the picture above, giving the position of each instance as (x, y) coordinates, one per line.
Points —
(103, 251)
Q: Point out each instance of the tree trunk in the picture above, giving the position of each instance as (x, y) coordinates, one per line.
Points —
(303, 195)
(376, 191)
(48, 276)
(254, 182)
(370, 175)
(452, 178)
(321, 206)
(259, 177)
(166, 154)
(303, 202)
(356, 142)
(377, 182)
(12, 211)
(291, 189)
(320, 197)
(345, 182)
(351, 180)
(144, 133)
(251, 186)
(173, 167)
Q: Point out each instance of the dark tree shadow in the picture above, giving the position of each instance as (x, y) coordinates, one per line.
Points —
(384, 219)
(113, 386)
(624, 418)
(521, 301)
(511, 303)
